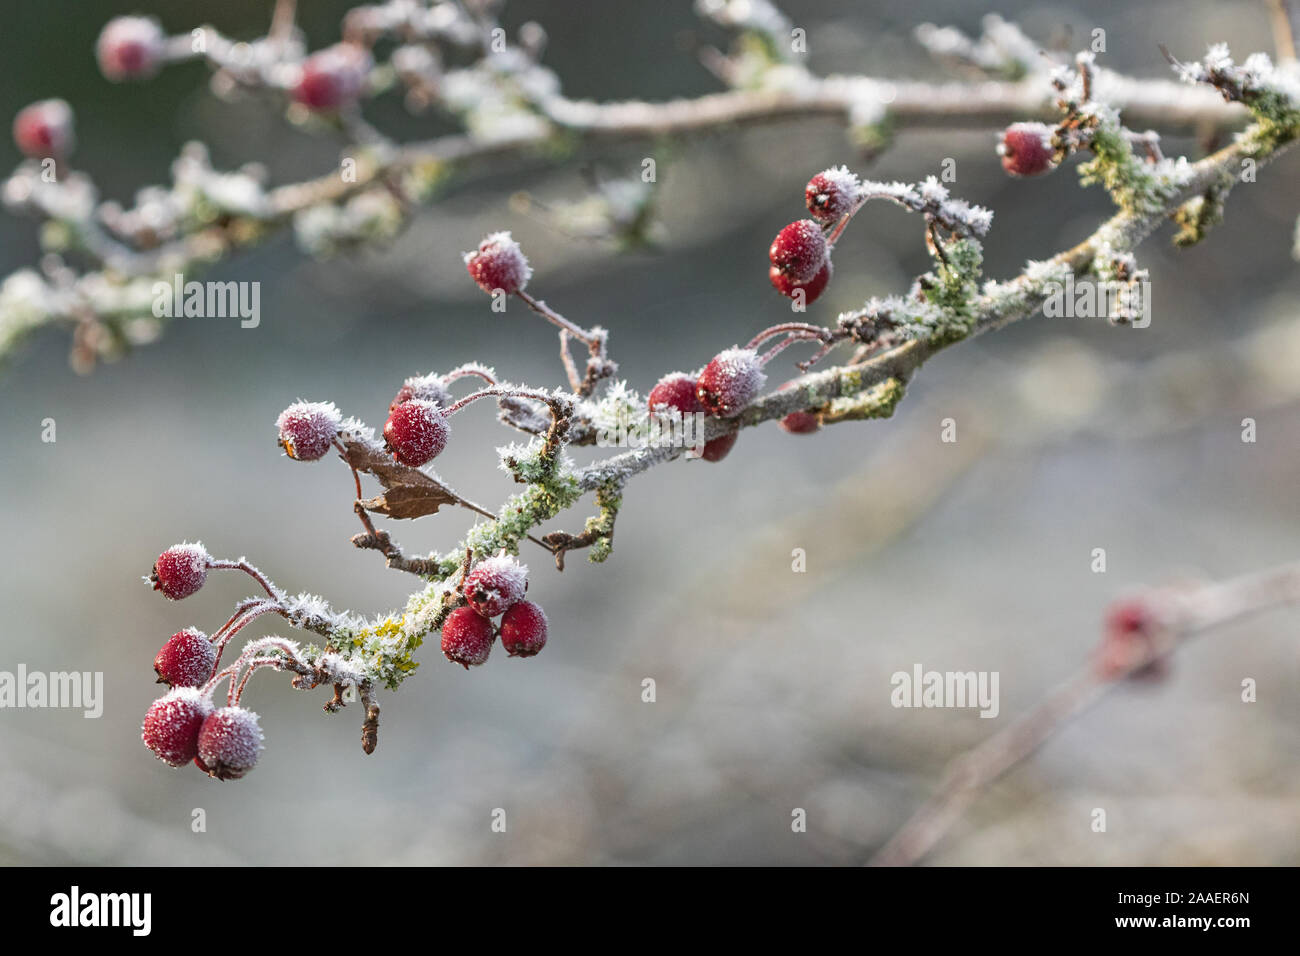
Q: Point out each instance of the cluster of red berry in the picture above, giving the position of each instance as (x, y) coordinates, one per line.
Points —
(801, 252)
(135, 48)
(494, 587)
(129, 48)
(731, 380)
(184, 725)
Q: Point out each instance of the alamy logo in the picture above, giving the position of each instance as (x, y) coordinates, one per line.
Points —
(664, 428)
(74, 909)
(922, 688)
(72, 689)
(1097, 299)
(208, 300)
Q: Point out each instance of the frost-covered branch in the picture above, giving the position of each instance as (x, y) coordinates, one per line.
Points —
(104, 265)
(474, 592)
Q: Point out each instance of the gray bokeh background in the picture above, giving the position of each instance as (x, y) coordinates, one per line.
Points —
(773, 687)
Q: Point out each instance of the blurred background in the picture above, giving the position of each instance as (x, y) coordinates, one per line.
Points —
(772, 687)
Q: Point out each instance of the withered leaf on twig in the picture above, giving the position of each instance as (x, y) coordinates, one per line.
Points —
(408, 492)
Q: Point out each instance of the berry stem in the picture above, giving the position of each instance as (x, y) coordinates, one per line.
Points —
(546, 312)
(240, 608)
(466, 370)
(282, 18)
(785, 343)
(596, 339)
(253, 664)
(761, 337)
(243, 565)
(500, 391)
(570, 367)
(234, 626)
(248, 655)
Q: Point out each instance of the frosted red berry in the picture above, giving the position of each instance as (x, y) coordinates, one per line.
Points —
(523, 629)
(44, 129)
(180, 570)
(172, 723)
(130, 48)
(499, 265)
(428, 388)
(1026, 149)
(467, 637)
(799, 250)
(229, 743)
(801, 422)
(307, 429)
(494, 584)
(676, 391)
(730, 382)
(187, 659)
(1129, 629)
(416, 432)
(831, 194)
(333, 78)
(719, 448)
(810, 290)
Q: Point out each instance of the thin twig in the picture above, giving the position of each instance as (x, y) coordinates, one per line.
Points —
(1192, 613)
(1285, 22)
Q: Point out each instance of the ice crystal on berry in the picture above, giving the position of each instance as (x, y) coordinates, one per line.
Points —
(730, 382)
(498, 264)
(187, 659)
(180, 570)
(172, 723)
(494, 584)
(229, 743)
(307, 429)
(467, 637)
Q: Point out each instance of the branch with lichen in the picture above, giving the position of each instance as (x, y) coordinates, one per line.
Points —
(480, 580)
(106, 268)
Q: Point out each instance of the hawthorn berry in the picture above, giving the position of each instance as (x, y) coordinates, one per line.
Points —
(799, 250)
(307, 429)
(229, 743)
(187, 659)
(523, 629)
(719, 448)
(1026, 149)
(416, 432)
(729, 382)
(495, 584)
(130, 48)
(1130, 627)
(467, 637)
(498, 264)
(812, 289)
(44, 129)
(172, 723)
(801, 422)
(428, 388)
(831, 194)
(333, 78)
(180, 570)
(677, 391)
